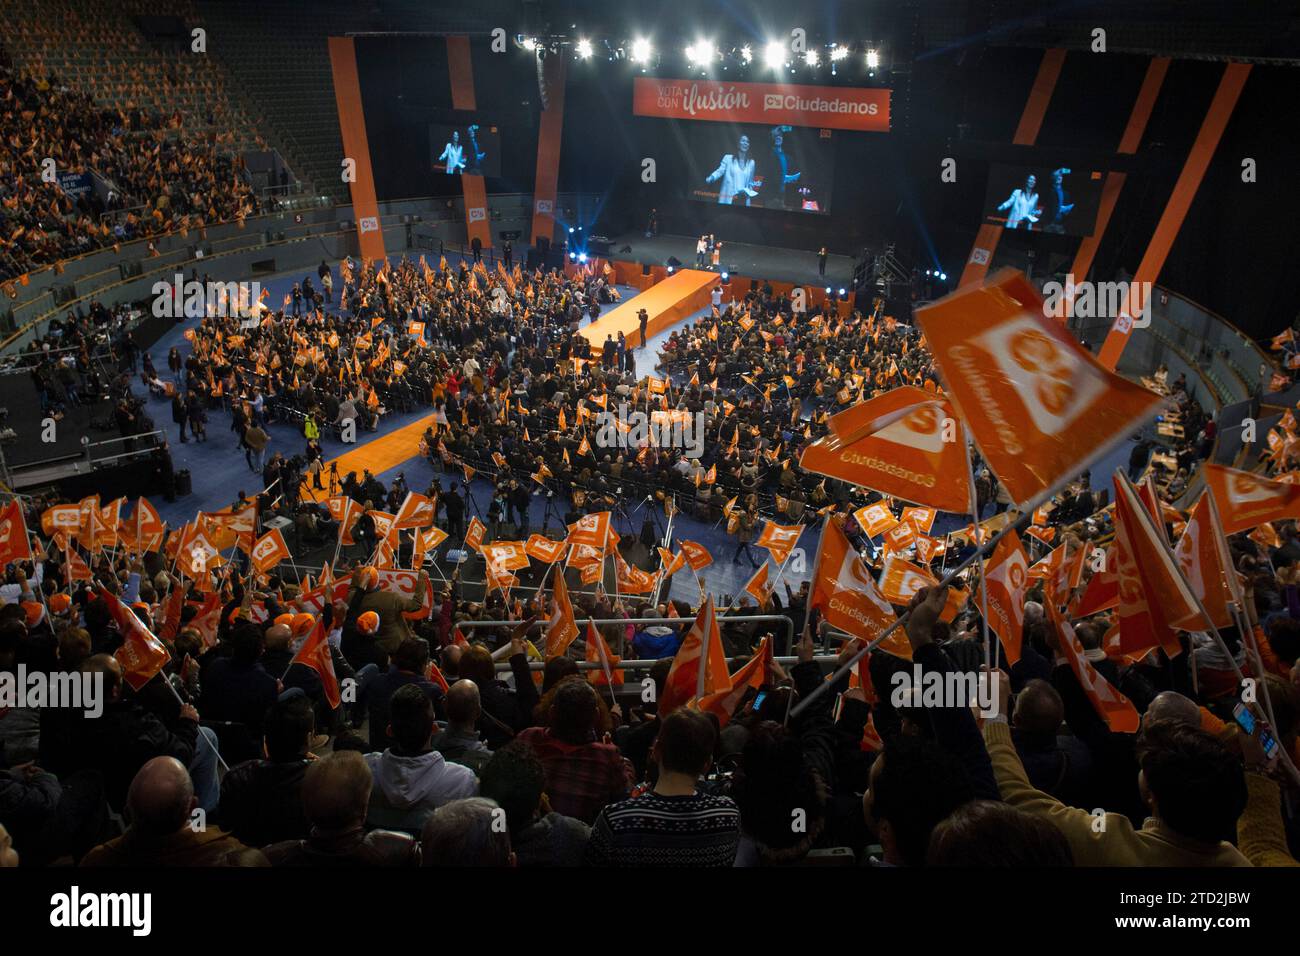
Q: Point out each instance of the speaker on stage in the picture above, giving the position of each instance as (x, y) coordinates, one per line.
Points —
(674, 262)
(645, 268)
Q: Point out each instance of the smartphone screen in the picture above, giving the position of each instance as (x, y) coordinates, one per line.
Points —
(758, 700)
(1244, 717)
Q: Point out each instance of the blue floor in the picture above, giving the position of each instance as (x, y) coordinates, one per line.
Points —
(219, 473)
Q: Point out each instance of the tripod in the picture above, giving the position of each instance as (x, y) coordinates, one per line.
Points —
(550, 511)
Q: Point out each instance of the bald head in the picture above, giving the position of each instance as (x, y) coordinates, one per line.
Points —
(108, 666)
(1170, 705)
(278, 637)
(160, 797)
(336, 790)
(1033, 612)
(462, 703)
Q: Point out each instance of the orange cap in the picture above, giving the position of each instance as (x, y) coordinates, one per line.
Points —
(302, 624)
(60, 603)
(368, 623)
(286, 619)
(366, 578)
(35, 612)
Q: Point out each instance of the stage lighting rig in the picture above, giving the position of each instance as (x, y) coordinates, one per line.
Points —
(583, 49)
(641, 50)
(774, 55)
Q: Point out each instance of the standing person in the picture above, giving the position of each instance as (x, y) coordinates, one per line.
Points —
(476, 247)
(701, 247)
(643, 321)
(176, 365)
(744, 535)
(1022, 204)
(198, 416)
(737, 174)
(178, 414)
(508, 254)
(256, 439)
(326, 281)
(821, 262)
(717, 254)
(297, 299)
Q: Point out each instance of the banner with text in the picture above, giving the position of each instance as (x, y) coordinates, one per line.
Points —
(830, 107)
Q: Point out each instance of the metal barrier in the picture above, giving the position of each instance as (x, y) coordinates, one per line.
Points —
(647, 664)
(789, 626)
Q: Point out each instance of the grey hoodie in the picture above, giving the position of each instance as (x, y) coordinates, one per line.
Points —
(407, 789)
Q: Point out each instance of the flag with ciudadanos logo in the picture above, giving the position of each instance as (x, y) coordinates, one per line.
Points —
(875, 519)
(846, 595)
(1203, 557)
(15, 545)
(779, 540)
(315, 653)
(474, 534)
(592, 529)
(904, 443)
(700, 665)
(1245, 500)
(416, 512)
(922, 519)
(1153, 597)
(670, 563)
(141, 655)
(927, 549)
(697, 555)
(269, 551)
(1006, 577)
(544, 549)
(562, 627)
(901, 579)
(755, 673)
(426, 540)
(65, 518)
(598, 652)
(900, 537)
(147, 519)
(1113, 707)
(506, 555)
(1040, 407)
(630, 578)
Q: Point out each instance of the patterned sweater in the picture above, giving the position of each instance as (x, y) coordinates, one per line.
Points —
(654, 830)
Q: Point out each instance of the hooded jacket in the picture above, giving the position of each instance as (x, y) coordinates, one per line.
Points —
(408, 788)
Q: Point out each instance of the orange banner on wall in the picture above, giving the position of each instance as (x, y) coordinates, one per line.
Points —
(352, 126)
(462, 98)
(830, 107)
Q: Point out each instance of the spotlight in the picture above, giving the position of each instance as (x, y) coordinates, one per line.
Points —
(774, 55)
(943, 276)
(873, 59)
(583, 49)
(582, 257)
(811, 58)
(701, 52)
(670, 270)
(573, 257)
(746, 54)
(841, 293)
(839, 52)
(570, 229)
(724, 277)
(641, 50)
(828, 290)
(530, 43)
(927, 271)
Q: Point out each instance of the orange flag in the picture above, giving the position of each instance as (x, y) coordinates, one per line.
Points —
(1112, 706)
(66, 518)
(1245, 500)
(779, 540)
(1039, 406)
(1153, 598)
(875, 519)
(697, 555)
(1006, 576)
(900, 580)
(315, 653)
(756, 672)
(701, 650)
(15, 545)
(757, 585)
(904, 443)
(1201, 557)
(141, 655)
(592, 529)
(670, 563)
(900, 537)
(842, 589)
(474, 536)
(269, 551)
(416, 512)
(562, 629)
(598, 652)
(544, 549)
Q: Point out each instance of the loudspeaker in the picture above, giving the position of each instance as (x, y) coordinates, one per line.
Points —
(645, 268)
(674, 262)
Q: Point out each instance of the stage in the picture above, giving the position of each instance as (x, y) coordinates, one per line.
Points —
(770, 262)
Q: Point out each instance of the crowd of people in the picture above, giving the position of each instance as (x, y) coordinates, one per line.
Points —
(121, 172)
(450, 714)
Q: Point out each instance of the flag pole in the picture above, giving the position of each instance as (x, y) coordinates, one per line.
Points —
(975, 530)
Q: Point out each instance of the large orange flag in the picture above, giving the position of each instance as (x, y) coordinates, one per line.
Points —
(416, 512)
(1040, 407)
(315, 653)
(598, 652)
(141, 655)
(904, 443)
(1006, 576)
(1113, 707)
(756, 672)
(779, 540)
(702, 647)
(1200, 554)
(269, 551)
(15, 545)
(757, 586)
(1245, 500)
(697, 555)
(1153, 597)
(900, 580)
(563, 628)
(848, 598)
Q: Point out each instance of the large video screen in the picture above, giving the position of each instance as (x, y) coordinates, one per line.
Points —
(766, 167)
(1056, 200)
(471, 148)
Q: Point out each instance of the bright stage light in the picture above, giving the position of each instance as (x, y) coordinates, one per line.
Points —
(811, 58)
(943, 276)
(774, 55)
(746, 54)
(701, 52)
(582, 257)
(841, 292)
(670, 270)
(873, 59)
(724, 277)
(839, 52)
(530, 43)
(828, 290)
(641, 50)
(583, 49)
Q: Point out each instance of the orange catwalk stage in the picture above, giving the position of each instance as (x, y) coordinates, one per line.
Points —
(667, 303)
